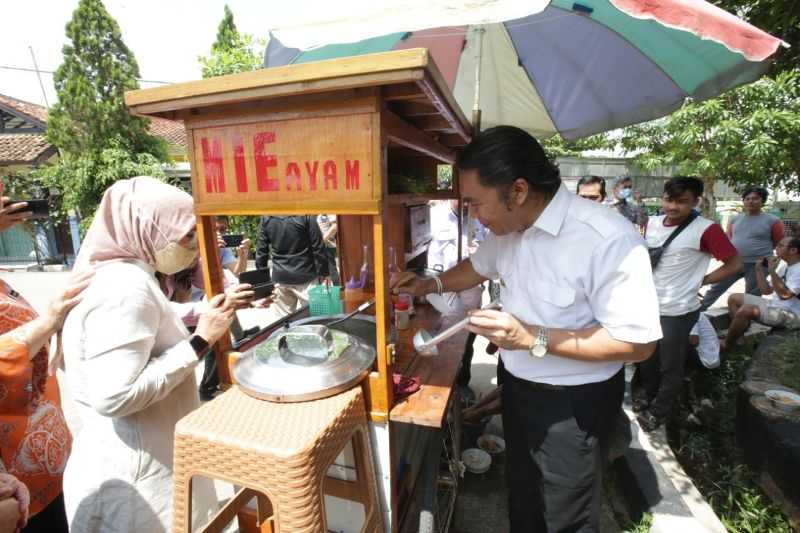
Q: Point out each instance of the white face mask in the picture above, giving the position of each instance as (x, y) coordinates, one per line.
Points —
(174, 258)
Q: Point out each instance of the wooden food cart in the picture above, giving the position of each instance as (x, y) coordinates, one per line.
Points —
(338, 137)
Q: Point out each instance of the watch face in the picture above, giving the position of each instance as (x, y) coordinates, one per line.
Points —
(539, 350)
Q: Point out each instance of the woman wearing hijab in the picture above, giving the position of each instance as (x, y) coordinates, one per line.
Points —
(130, 362)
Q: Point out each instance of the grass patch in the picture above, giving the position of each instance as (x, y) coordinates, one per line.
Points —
(710, 456)
(786, 357)
(642, 526)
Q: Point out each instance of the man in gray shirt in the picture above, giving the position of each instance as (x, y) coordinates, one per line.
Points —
(754, 234)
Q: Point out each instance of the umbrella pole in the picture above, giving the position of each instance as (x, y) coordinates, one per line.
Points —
(476, 104)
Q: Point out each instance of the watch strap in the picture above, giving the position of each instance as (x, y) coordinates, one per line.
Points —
(200, 346)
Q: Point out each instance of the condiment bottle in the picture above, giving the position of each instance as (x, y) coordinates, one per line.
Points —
(401, 315)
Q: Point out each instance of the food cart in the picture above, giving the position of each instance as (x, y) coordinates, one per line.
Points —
(363, 138)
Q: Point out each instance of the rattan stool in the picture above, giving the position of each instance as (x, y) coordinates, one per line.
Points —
(279, 453)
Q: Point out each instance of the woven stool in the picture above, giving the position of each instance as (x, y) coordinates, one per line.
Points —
(279, 453)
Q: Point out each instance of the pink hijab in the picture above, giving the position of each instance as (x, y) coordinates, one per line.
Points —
(136, 218)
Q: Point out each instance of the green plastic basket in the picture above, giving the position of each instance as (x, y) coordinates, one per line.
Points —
(324, 300)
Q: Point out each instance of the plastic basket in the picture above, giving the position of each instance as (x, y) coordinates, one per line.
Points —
(324, 300)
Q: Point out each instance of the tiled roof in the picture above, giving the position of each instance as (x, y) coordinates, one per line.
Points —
(24, 148)
(171, 131)
(34, 111)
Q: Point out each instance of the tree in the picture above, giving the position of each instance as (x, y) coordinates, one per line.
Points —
(232, 52)
(747, 136)
(98, 68)
(780, 18)
(556, 146)
(89, 176)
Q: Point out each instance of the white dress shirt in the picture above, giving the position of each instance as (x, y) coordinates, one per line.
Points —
(579, 266)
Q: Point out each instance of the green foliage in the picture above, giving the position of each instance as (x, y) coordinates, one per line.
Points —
(747, 136)
(781, 18)
(710, 455)
(643, 526)
(556, 146)
(83, 180)
(232, 52)
(98, 68)
(246, 225)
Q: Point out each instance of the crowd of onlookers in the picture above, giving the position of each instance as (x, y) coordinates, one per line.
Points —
(680, 268)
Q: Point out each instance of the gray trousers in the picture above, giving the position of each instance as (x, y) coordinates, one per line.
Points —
(748, 272)
(661, 375)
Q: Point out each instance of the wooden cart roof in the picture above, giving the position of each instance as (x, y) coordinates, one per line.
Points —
(411, 85)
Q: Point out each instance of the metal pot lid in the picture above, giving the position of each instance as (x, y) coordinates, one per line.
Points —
(302, 363)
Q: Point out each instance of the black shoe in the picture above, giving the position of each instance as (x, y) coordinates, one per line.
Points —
(649, 422)
(640, 404)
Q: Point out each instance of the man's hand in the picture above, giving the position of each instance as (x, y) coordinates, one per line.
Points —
(772, 263)
(410, 283)
(220, 241)
(216, 320)
(240, 296)
(11, 487)
(501, 328)
(12, 214)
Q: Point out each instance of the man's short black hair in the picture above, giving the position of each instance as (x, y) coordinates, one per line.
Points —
(678, 185)
(589, 180)
(794, 242)
(761, 191)
(503, 154)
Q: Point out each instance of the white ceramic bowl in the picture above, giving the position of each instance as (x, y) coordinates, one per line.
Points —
(477, 461)
(783, 398)
(492, 444)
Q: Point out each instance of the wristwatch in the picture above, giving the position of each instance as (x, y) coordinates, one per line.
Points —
(200, 346)
(539, 346)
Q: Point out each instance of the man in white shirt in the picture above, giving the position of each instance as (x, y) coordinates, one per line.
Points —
(679, 274)
(578, 300)
(784, 281)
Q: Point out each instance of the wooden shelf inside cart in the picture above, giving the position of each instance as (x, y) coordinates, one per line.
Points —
(427, 407)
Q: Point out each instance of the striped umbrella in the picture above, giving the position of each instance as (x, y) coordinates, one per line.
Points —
(574, 68)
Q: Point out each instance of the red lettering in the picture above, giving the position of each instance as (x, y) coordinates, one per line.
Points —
(312, 174)
(264, 161)
(212, 165)
(293, 175)
(351, 174)
(239, 165)
(329, 171)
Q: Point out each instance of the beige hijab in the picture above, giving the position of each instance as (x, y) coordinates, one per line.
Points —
(136, 218)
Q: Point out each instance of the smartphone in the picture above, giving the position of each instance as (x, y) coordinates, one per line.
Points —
(232, 241)
(260, 280)
(39, 208)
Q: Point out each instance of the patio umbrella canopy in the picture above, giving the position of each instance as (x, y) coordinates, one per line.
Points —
(574, 68)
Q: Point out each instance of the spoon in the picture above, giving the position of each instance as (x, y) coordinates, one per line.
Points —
(425, 343)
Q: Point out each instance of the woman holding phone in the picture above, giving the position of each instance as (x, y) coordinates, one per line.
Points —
(36, 441)
(130, 362)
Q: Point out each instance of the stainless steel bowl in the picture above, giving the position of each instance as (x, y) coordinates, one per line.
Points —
(308, 361)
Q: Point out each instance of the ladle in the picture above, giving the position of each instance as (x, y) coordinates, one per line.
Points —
(425, 343)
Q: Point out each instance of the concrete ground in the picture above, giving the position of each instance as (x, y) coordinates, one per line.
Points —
(481, 506)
